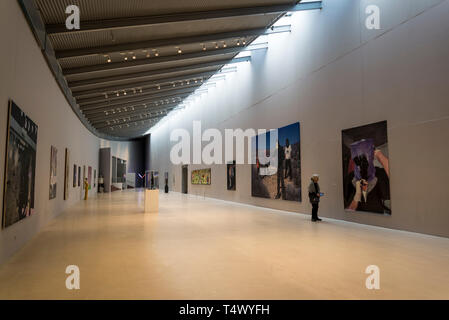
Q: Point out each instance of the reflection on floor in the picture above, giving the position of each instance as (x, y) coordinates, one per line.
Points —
(208, 249)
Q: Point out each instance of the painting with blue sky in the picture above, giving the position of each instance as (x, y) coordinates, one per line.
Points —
(279, 179)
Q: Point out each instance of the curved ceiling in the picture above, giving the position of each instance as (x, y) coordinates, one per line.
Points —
(131, 62)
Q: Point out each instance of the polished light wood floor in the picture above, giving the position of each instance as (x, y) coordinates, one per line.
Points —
(198, 248)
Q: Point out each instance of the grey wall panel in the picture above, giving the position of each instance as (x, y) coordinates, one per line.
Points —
(105, 168)
(136, 162)
(147, 152)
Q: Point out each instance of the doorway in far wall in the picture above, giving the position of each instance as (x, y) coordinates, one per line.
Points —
(185, 176)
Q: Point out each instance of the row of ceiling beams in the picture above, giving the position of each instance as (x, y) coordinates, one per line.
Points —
(125, 102)
(183, 17)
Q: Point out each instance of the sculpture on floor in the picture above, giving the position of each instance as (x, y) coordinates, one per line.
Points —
(86, 188)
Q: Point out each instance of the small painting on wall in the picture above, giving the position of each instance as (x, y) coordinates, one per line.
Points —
(74, 176)
(89, 177)
(79, 176)
(53, 171)
(84, 175)
(66, 174)
(202, 176)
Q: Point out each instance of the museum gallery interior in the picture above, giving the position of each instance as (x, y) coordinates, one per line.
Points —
(214, 150)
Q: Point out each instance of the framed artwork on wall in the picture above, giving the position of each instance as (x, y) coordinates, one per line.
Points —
(89, 177)
(230, 173)
(366, 169)
(74, 176)
(201, 176)
(20, 167)
(53, 172)
(66, 174)
(79, 176)
(95, 178)
(281, 180)
(84, 175)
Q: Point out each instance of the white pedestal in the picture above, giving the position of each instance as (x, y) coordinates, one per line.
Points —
(151, 201)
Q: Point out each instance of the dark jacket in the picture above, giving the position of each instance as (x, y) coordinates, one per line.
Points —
(314, 188)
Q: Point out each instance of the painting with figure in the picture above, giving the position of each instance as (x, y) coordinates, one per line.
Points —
(366, 169)
(230, 174)
(202, 176)
(89, 177)
(279, 178)
(53, 172)
(20, 167)
(66, 174)
(74, 176)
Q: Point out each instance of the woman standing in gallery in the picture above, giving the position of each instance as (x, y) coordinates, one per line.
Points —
(314, 196)
(86, 188)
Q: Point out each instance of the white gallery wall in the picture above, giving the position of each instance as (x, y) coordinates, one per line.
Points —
(119, 149)
(332, 73)
(26, 79)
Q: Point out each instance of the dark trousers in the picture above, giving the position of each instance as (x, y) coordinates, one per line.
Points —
(315, 211)
(280, 180)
